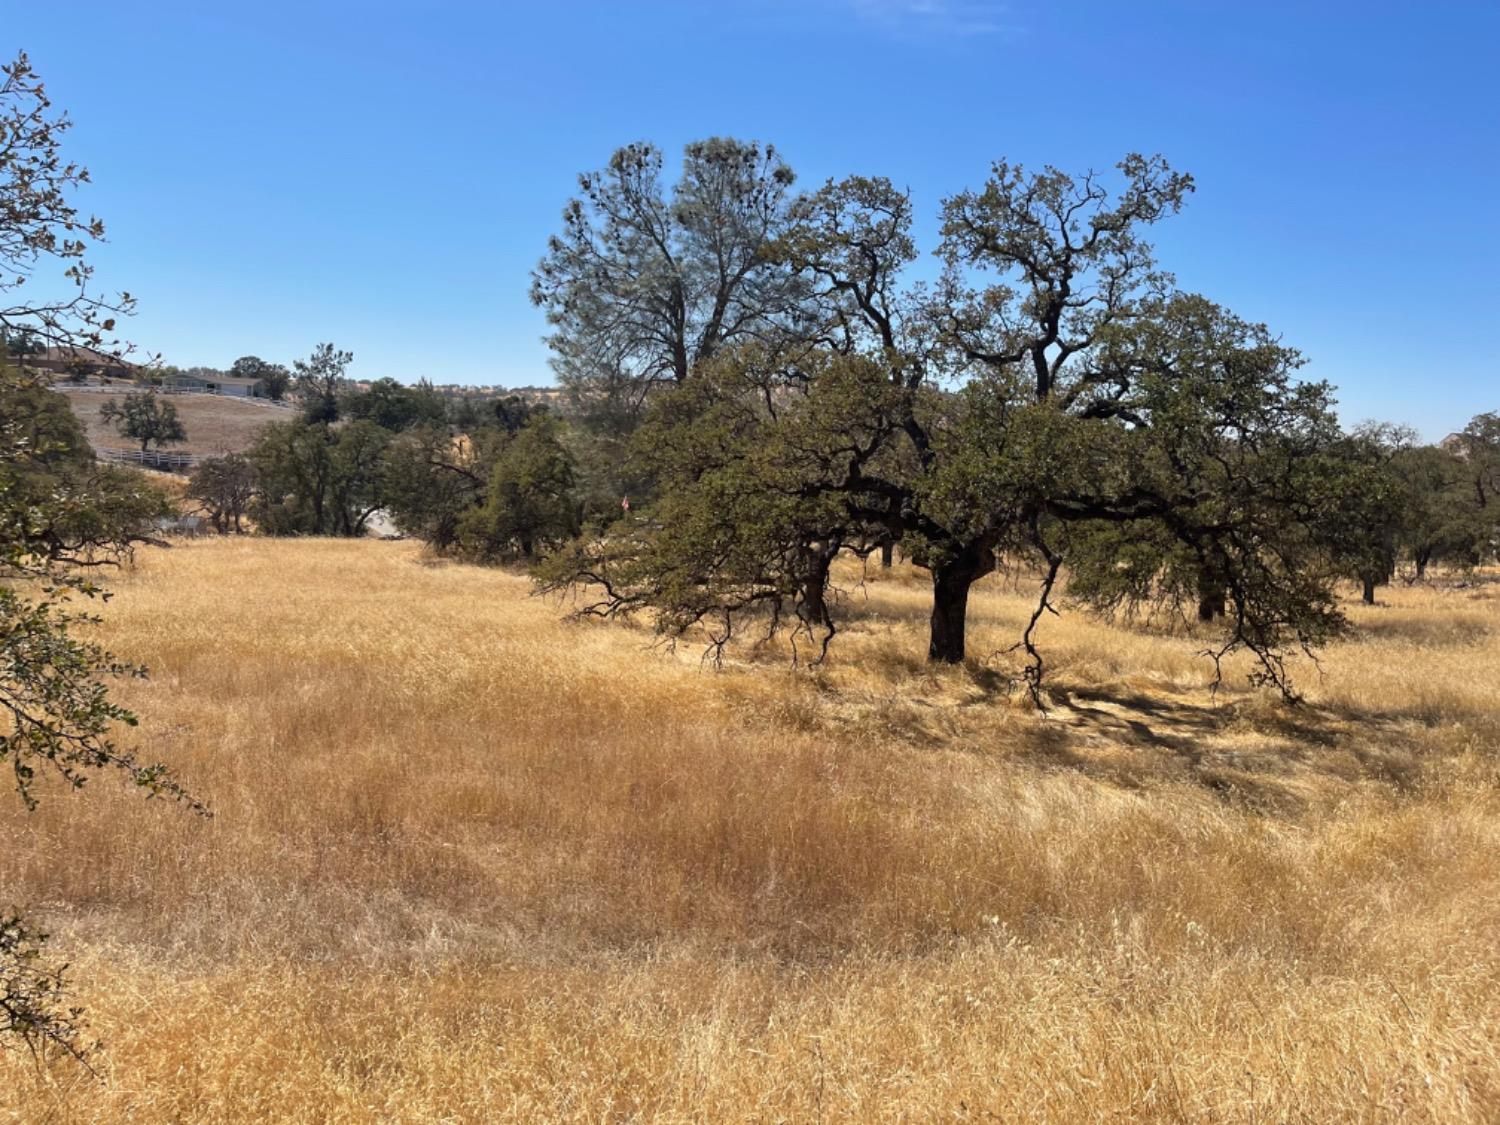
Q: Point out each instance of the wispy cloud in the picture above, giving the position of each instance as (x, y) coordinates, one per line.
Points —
(935, 18)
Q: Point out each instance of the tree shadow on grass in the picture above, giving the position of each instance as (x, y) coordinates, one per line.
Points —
(1272, 759)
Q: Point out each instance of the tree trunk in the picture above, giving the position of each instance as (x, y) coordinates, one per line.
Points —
(1369, 591)
(887, 554)
(1211, 596)
(1421, 558)
(950, 602)
(814, 607)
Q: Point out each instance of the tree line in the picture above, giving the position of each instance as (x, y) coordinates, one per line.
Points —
(757, 387)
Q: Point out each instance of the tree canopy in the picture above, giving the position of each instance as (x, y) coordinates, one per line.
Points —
(146, 417)
(641, 285)
(1053, 398)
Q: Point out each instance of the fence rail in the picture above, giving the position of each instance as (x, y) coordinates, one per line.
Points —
(125, 389)
(152, 459)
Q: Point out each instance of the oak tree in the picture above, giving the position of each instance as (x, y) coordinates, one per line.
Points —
(145, 417)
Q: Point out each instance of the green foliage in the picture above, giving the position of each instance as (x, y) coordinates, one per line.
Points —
(316, 479)
(276, 378)
(1479, 449)
(433, 479)
(226, 488)
(33, 1005)
(59, 516)
(1218, 490)
(145, 417)
(529, 504)
(320, 382)
(1438, 523)
(642, 285)
(756, 494)
(395, 407)
(1052, 396)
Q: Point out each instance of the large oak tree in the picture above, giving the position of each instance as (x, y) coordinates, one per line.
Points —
(1051, 382)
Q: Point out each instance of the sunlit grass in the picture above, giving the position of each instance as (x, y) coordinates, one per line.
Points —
(475, 862)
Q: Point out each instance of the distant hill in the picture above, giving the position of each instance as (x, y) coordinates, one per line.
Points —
(214, 423)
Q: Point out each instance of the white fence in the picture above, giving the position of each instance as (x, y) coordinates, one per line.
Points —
(151, 458)
(126, 388)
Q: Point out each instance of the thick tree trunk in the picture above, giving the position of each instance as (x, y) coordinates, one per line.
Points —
(950, 602)
(1422, 558)
(1211, 596)
(1369, 590)
(814, 607)
(950, 608)
(887, 554)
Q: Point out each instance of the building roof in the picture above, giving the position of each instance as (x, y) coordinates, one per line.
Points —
(69, 354)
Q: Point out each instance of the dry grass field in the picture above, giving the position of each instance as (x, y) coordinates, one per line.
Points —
(214, 423)
(475, 863)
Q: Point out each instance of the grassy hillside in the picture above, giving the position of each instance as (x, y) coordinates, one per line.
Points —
(474, 863)
(214, 423)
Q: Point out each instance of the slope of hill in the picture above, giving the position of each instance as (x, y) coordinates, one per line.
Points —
(474, 863)
(214, 423)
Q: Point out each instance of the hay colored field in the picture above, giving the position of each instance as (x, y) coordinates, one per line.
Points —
(472, 862)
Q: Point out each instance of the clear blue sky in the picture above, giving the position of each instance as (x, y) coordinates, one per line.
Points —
(385, 175)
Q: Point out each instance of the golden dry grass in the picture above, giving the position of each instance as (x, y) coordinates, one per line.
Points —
(474, 863)
(214, 423)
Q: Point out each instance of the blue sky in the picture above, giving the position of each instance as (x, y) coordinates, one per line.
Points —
(385, 175)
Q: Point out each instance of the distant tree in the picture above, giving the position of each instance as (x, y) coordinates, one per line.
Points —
(395, 407)
(359, 476)
(1479, 446)
(463, 413)
(319, 380)
(529, 503)
(225, 487)
(642, 285)
(433, 478)
(145, 417)
(1438, 518)
(1367, 527)
(19, 342)
(512, 412)
(314, 479)
(276, 378)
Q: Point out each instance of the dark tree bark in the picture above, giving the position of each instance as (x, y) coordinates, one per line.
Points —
(1212, 599)
(814, 608)
(950, 602)
(887, 554)
(1369, 589)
